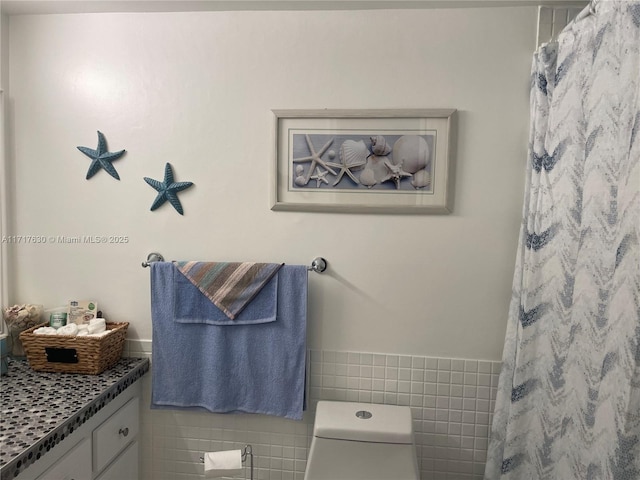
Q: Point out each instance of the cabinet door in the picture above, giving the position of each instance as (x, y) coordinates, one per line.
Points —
(114, 434)
(74, 465)
(125, 467)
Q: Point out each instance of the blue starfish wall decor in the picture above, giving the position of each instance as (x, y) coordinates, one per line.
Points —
(168, 190)
(101, 158)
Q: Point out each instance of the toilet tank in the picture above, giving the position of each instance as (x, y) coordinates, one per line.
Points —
(358, 441)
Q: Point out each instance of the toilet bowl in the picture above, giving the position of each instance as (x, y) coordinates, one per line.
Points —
(362, 441)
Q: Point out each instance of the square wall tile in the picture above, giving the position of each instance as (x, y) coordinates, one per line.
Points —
(451, 401)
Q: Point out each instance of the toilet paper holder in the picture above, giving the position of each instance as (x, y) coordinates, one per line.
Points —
(247, 451)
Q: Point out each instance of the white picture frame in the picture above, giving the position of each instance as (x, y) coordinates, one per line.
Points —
(363, 161)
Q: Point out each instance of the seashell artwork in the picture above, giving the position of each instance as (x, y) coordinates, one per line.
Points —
(353, 153)
(315, 159)
(394, 173)
(377, 160)
(300, 180)
(421, 179)
(397, 161)
(376, 165)
(379, 145)
(320, 177)
(413, 151)
(368, 178)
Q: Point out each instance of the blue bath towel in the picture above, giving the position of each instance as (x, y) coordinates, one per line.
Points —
(231, 368)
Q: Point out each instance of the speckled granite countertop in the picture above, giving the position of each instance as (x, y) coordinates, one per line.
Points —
(38, 410)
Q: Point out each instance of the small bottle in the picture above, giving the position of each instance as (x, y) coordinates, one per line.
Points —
(58, 319)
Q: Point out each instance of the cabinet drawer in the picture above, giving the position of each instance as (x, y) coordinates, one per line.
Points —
(110, 438)
(125, 467)
(74, 465)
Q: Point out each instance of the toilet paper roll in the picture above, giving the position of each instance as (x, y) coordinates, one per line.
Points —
(222, 464)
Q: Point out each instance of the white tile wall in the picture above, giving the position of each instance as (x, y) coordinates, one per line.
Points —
(552, 19)
(451, 400)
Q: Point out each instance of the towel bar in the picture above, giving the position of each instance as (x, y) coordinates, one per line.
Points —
(246, 451)
(318, 264)
(153, 257)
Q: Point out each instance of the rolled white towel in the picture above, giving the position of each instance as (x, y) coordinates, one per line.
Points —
(99, 334)
(69, 329)
(96, 328)
(83, 328)
(82, 333)
(45, 331)
(97, 325)
(95, 321)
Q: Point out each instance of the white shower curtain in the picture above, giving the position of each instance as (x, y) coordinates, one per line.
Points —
(568, 401)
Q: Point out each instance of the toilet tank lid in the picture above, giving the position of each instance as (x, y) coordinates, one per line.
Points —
(341, 420)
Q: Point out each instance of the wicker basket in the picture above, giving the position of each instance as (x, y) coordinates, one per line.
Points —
(70, 354)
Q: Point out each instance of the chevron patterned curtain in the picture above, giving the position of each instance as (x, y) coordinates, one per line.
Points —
(568, 401)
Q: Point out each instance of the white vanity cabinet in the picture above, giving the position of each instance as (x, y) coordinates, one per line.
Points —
(74, 465)
(112, 438)
(105, 447)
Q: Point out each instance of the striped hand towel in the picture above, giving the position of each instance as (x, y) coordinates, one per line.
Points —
(229, 285)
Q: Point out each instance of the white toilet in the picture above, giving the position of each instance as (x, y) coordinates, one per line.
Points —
(362, 441)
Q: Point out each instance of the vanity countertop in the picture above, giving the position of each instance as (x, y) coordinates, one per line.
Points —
(38, 410)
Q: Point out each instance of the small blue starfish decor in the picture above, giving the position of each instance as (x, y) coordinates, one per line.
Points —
(101, 158)
(168, 190)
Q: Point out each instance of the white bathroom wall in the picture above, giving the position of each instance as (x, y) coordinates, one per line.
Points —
(196, 90)
(412, 310)
(4, 210)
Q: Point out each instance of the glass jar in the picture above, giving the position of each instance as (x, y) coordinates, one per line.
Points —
(18, 319)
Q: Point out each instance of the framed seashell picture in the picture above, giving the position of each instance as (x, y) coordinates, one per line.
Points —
(363, 161)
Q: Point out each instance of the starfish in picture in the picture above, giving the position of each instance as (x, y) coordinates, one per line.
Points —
(346, 168)
(314, 158)
(395, 173)
(320, 177)
(101, 158)
(168, 190)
